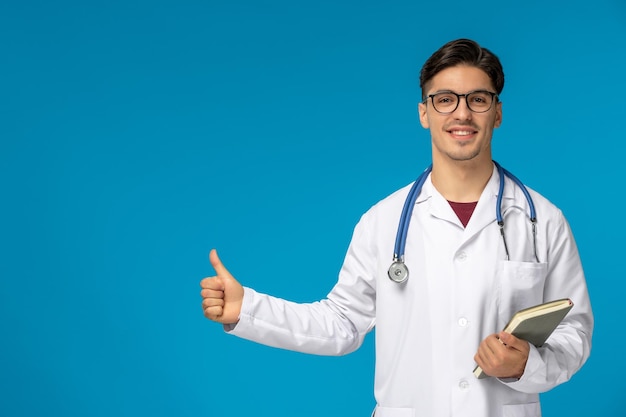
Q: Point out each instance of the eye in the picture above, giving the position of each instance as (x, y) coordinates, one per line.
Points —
(480, 98)
(445, 98)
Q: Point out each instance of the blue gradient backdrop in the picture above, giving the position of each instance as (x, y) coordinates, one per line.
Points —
(136, 136)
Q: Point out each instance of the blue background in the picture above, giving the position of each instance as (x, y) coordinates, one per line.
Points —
(136, 136)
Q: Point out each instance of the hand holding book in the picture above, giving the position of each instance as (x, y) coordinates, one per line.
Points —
(535, 324)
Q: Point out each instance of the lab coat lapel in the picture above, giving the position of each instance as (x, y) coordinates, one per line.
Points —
(484, 213)
(438, 205)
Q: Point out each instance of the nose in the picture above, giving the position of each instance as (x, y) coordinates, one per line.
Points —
(462, 111)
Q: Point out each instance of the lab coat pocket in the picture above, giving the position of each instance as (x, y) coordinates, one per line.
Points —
(394, 412)
(522, 410)
(521, 286)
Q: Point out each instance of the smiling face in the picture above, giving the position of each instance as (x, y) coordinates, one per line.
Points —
(461, 135)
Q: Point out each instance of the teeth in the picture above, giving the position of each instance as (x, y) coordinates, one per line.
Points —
(461, 132)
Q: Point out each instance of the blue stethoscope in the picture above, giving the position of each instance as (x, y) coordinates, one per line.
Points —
(398, 271)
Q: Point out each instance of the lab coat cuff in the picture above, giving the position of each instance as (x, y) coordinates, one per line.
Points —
(245, 313)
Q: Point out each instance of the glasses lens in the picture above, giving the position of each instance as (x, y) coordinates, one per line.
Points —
(445, 102)
(479, 101)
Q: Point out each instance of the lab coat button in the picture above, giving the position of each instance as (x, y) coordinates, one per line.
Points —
(461, 256)
(464, 385)
(462, 322)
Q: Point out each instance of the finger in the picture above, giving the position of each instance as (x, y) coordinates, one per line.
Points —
(493, 343)
(212, 302)
(209, 293)
(513, 342)
(488, 350)
(483, 363)
(217, 264)
(212, 283)
(213, 313)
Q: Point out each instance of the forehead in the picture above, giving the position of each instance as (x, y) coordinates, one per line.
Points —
(460, 79)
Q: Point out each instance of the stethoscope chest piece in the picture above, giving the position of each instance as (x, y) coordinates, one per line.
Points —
(398, 272)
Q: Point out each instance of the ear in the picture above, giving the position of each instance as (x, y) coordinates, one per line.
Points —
(421, 111)
(498, 119)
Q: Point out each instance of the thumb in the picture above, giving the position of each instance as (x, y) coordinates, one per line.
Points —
(228, 309)
(509, 340)
(217, 264)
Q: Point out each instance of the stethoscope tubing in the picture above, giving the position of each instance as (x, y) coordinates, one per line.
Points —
(407, 211)
(503, 172)
(398, 271)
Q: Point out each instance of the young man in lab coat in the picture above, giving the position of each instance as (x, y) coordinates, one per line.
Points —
(434, 328)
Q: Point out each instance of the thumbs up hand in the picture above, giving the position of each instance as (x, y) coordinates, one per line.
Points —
(222, 295)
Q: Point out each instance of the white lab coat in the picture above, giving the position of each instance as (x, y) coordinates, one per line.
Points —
(460, 290)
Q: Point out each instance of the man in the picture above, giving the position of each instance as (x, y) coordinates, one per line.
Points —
(466, 280)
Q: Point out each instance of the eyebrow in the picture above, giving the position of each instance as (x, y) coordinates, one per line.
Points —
(480, 90)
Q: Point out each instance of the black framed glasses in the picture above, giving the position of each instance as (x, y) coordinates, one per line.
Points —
(446, 102)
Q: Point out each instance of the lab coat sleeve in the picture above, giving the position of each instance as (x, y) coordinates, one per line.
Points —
(336, 325)
(568, 348)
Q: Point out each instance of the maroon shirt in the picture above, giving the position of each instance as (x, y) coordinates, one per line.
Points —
(463, 210)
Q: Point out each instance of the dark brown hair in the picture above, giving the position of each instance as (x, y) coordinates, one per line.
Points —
(463, 52)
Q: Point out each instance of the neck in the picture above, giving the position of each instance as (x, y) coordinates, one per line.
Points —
(461, 181)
